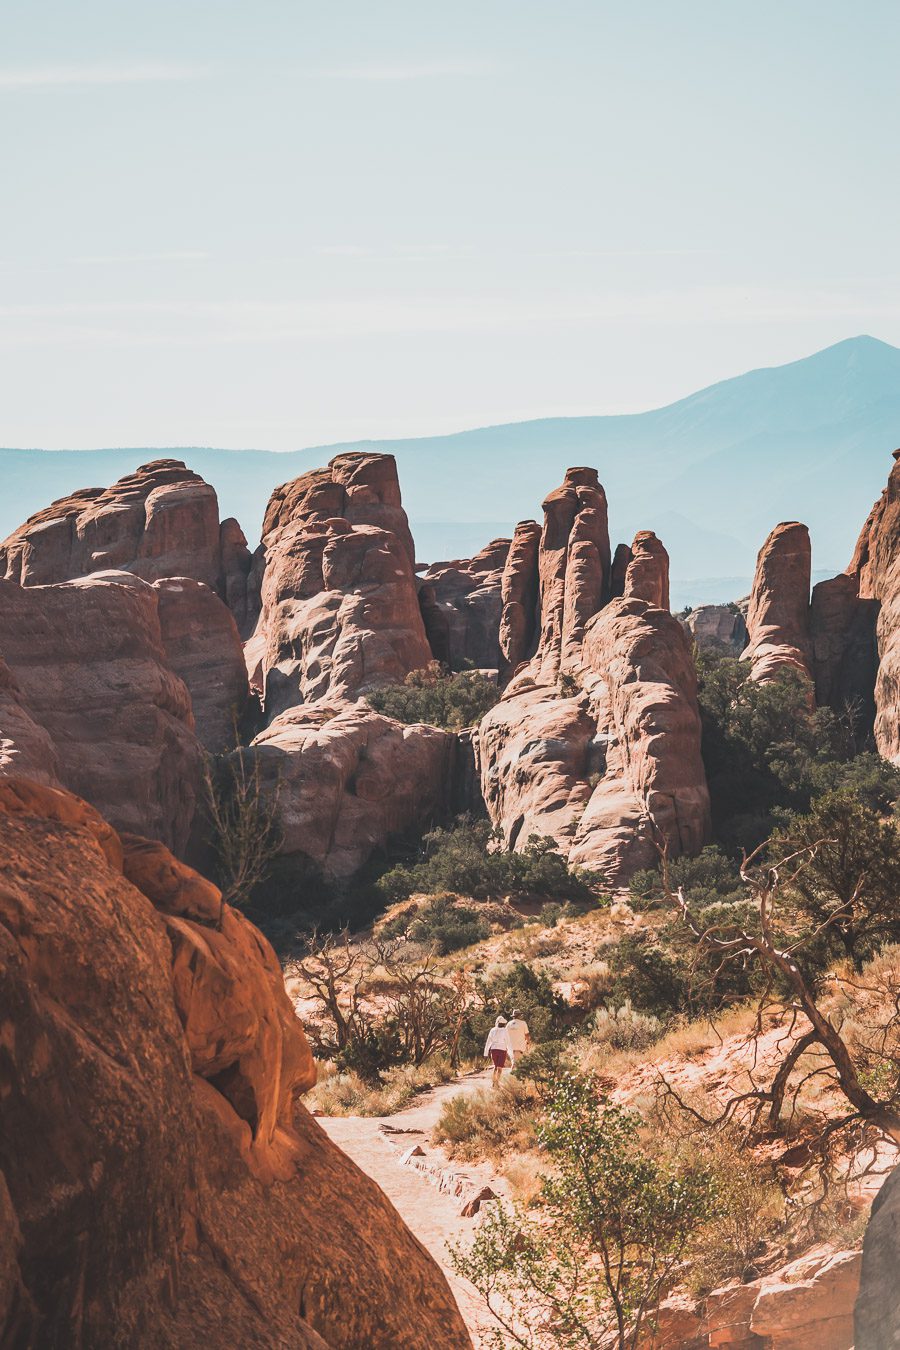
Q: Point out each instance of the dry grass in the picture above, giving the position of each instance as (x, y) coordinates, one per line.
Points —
(346, 1094)
(489, 1124)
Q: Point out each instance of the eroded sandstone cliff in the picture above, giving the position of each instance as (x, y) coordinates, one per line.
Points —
(160, 1184)
(596, 741)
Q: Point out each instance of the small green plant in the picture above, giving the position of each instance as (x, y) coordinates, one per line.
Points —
(615, 1224)
(436, 696)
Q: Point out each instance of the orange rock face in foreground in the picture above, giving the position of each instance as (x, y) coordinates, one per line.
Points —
(159, 1184)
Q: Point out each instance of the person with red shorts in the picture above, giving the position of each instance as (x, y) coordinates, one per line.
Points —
(498, 1049)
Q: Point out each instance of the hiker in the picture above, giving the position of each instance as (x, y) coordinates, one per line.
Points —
(498, 1049)
(518, 1034)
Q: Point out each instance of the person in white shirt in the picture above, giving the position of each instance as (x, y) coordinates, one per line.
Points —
(497, 1048)
(518, 1033)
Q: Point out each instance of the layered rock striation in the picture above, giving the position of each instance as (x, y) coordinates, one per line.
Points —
(160, 1184)
(95, 703)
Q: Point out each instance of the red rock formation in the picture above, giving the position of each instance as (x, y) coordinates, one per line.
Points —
(339, 608)
(876, 564)
(236, 563)
(620, 564)
(25, 747)
(844, 647)
(642, 696)
(717, 628)
(806, 1305)
(347, 779)
(596, 742)
(461, 604)
(520, 596)
(647, 574)
(573, 567)
(159, 1184)
(778, 618)
(534, 758)
(204, 649)
(88, 660)
(160, 521)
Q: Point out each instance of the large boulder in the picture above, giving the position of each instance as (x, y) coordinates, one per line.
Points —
(160, 1184)
(778, 620)
(461, 605)
(806, 1304)
(877, 1314)
(90, 668)
(717, 628)
(345, 780)
(339, 610)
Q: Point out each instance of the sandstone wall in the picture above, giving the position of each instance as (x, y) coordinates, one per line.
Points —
(160, 1185)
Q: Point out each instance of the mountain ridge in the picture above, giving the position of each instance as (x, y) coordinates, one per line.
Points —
(807, 440)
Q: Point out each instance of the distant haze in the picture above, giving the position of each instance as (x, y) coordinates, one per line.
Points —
(711, 474)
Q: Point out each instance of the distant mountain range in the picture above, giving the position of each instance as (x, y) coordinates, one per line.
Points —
(710, 474)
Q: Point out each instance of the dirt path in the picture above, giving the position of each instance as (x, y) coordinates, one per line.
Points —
(433, 1215)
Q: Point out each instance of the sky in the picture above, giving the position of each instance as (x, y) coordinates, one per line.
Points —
(289, 223)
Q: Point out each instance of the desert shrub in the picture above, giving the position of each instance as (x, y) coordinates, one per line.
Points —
(624, 1028)
(436, 696)
(749, 1213)
(440, 925)
(616, 1223)
(849, 885)
(553, 912)
(710, 878)
(465, 859)
(489, 1123)
(544, 1062)
(346, 1093)
(663, 972)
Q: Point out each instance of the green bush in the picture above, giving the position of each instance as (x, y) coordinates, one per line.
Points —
(435, 696)
(466, 860)
(440, 924)
(616, 1224)
(710, 878)
(766, 752)
(848, 888)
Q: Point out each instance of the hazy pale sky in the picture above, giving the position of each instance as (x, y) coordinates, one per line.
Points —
(282, 222)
